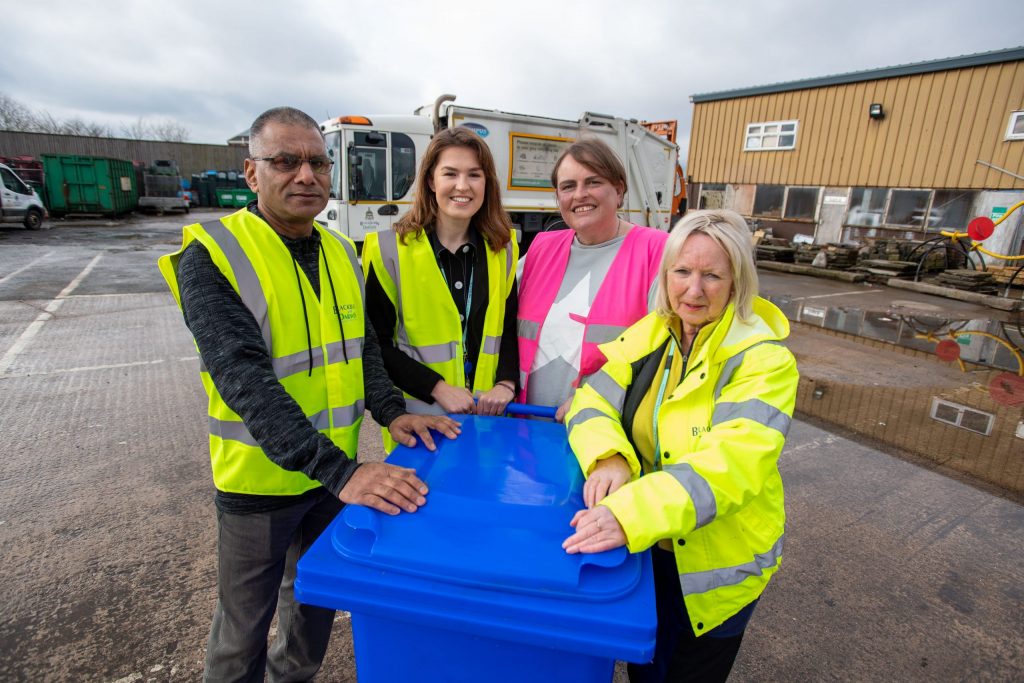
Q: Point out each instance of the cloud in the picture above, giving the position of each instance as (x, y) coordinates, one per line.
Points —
(212, 66)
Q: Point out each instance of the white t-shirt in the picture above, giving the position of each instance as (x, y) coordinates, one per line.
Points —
(557, 362)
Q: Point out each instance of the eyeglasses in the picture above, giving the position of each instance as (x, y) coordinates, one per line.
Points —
(286, 163)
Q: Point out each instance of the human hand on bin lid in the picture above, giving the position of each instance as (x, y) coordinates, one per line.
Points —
(452, 398)
(405, 428)
(564, 408)
(385, 487)
(494, 401)
(597, 530)
(607, 477)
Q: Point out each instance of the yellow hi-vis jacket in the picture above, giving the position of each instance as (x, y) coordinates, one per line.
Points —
(427, 325)
(718, 491)
(259, 266)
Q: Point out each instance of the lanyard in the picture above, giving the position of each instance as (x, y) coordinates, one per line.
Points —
(661, 392)
(657, 404)
(467, 364)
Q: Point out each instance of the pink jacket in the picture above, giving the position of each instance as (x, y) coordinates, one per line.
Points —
(620, 302)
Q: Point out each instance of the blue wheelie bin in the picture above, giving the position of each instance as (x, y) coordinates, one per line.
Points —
(475, 586)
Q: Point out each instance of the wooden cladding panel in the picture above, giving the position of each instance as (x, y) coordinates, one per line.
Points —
(936, 126)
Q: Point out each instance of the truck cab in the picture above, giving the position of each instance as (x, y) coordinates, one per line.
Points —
(19, 203)
(376, 158)
(375, 162)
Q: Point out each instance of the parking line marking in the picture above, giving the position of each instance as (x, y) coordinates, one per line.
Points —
(33, 329)
(823, 296)
(86, 368)
(7, 277)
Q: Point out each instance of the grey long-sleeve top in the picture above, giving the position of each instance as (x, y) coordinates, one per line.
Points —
(239, 363)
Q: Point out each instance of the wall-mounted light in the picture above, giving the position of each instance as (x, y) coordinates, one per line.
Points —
(875, 110)
(819, 392)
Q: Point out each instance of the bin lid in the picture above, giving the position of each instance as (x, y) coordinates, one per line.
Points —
(501, 498)
(484, 556)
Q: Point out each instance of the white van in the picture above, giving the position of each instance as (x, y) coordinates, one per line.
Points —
(19, 203)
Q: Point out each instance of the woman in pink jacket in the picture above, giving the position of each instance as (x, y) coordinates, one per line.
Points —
(582, 286)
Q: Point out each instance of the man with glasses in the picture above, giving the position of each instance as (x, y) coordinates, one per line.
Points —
(275, 303)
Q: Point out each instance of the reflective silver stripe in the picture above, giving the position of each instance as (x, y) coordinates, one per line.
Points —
(581, 417)
(321, 420)
(231, 431)
(387, 240)
(527, 329)
(249, 288)
(599, 334)
(608, 388)
(730, 367)
(704, 505)
(353, 260)
(346, 416)
(508, 258)
(755, 410)
(702, 582)
(419, 407)
(353, 349)
(299, 361)
(492, 345)
(523, 375)
(431, 353)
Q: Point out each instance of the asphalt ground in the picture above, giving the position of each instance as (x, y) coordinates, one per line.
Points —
(892, 571)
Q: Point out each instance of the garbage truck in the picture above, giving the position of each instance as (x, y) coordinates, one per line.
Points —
(376, 157)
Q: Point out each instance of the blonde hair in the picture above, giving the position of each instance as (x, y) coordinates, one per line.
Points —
(730, 232)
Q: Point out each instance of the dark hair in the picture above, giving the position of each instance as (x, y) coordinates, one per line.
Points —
(490, 221)
(596, 155)
(289, 116)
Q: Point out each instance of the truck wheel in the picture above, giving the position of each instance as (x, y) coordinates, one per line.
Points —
(34, 219)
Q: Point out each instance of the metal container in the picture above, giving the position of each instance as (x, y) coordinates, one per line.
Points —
(82, 184)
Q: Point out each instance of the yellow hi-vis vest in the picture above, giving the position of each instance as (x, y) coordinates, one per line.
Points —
(428, 328)
(261, 269)
(717, 492)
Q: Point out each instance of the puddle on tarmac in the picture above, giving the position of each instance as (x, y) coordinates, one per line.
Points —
(920, 326)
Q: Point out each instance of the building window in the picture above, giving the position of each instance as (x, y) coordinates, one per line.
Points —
(712, 196)
(873, 207)
(768, 200)
(907, 207)
(1015, 131)
(801, 202)
(770, 135)
(950, 209)
(867, 206)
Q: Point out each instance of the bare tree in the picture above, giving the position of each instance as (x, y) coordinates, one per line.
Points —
(96, 130)
(139, 130)
(14, 115)
(169, 130)
(45, 122)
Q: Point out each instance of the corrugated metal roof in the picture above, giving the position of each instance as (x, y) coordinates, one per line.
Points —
(1010, 54)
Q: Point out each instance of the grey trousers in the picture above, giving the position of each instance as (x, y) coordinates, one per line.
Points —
(257, 554)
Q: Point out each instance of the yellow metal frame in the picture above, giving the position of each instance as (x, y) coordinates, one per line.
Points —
(953, 335)
(976, 246)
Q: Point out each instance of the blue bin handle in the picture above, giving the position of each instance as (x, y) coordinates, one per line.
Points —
(530, 409)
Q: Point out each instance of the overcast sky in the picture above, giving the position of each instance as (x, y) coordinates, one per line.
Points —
(214, 65)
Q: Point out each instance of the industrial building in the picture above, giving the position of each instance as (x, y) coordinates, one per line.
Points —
(902, 151)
